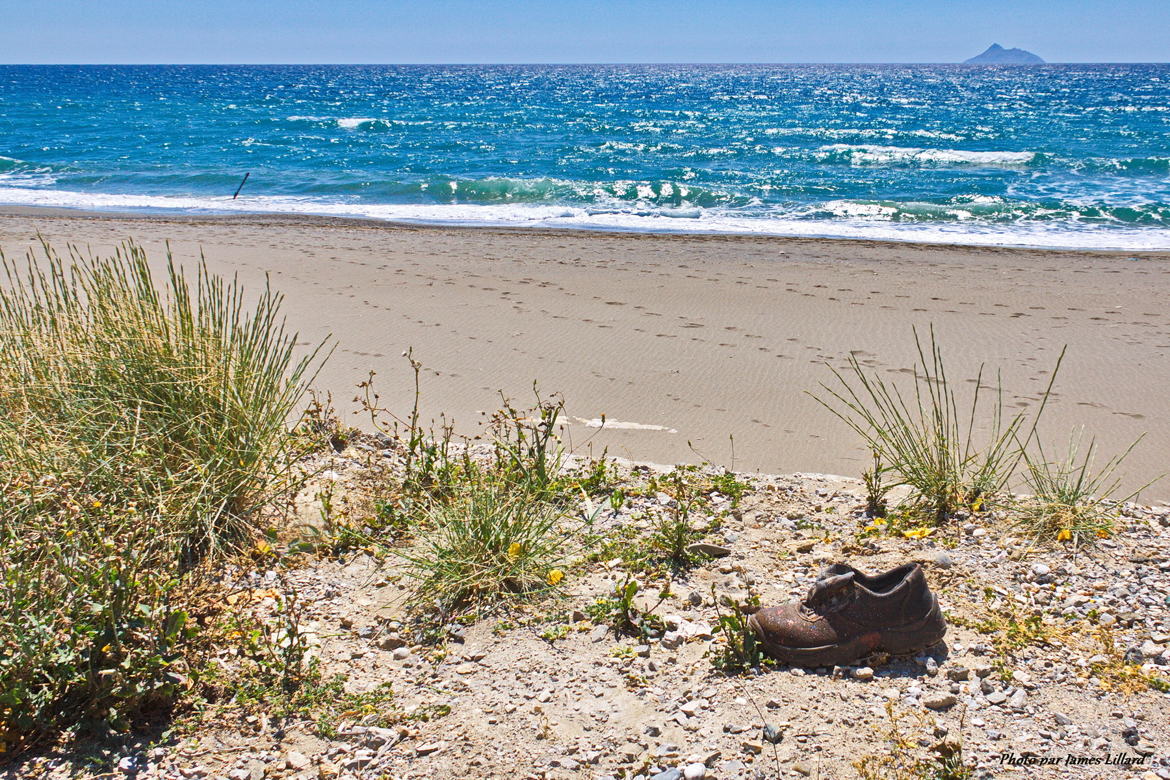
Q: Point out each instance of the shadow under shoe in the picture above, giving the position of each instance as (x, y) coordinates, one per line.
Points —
(848, 615)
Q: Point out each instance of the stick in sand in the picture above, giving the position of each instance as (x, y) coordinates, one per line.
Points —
(246, 175)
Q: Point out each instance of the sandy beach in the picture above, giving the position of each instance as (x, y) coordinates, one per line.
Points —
(682, 341)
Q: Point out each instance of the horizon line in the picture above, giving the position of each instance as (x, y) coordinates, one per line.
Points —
(585, 63)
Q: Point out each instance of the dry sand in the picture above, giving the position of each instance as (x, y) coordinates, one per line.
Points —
(700, 336)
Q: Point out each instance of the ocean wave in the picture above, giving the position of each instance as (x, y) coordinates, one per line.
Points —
(1138, 166)
(359, 122)
(841, 219)
(995, 211)
(865, 154)
(885, 133)
(18, 173)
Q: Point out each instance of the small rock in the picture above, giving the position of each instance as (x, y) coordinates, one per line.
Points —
(669, 774)
(391, 642)
(996, 697)
(803, 768)
(695, 771)
(863, 673)
(801, 545)
(731, 768)
(958, 674)
(465, 669)
(402, 653)
(942, 560)
(772, 734)
(1062, 719)
(753, 747)
(295, 760)
(1018, 698)
(940, 701)
(708, 549)
(428, 748)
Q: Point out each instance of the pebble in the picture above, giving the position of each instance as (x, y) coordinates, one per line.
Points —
(295, 760)
(695, 771)
(708, 549)
(669, 774)
(863, 673)
(942, 560)
(940, 701)
(958, 674)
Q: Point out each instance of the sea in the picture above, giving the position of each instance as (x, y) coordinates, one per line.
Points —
(1074, 156)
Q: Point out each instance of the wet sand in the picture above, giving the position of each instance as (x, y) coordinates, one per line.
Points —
(682, 341)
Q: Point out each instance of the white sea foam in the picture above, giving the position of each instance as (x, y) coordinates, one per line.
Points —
(1065, 234)
(863, 154)
(354, 122)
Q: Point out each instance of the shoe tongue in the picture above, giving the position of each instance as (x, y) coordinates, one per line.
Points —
(828, 585)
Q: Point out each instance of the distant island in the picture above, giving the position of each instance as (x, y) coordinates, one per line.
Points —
(998, 55)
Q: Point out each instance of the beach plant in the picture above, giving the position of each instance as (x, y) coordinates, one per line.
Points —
(741, 649)
(927, 439)
(674, 532)
(143, 423)
(1070, 501)
(487, 544)
(529, 455)
(432, 468)
(620, 611)
(876, 489)
(905, 759)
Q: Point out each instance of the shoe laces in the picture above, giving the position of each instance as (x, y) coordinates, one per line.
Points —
(829, 594)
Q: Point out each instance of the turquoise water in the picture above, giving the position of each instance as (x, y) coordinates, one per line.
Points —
(1061, 155)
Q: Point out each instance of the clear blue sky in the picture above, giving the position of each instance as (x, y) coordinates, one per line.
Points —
(388, 31)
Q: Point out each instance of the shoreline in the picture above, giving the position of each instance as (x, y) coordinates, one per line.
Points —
(181, 215)
(707, 335)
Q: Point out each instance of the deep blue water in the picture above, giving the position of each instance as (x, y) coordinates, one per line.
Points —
(1059, 155)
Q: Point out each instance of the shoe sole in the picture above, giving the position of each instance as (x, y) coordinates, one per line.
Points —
(909, 638)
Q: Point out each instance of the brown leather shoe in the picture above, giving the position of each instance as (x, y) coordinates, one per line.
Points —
(848, 615)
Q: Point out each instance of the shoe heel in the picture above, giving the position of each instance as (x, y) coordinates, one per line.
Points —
(917, 636)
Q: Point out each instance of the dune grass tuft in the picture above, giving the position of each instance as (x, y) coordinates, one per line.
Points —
(926, 440)
(487, 543)
(1070, 501)
(141, 425)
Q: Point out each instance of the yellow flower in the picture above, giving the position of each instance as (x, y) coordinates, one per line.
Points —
(876, 525)
(1063, 535)
(514, 550)
(555, 576)
(917, 533)
(1102, 533)
(96, 504)
(977, 504)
